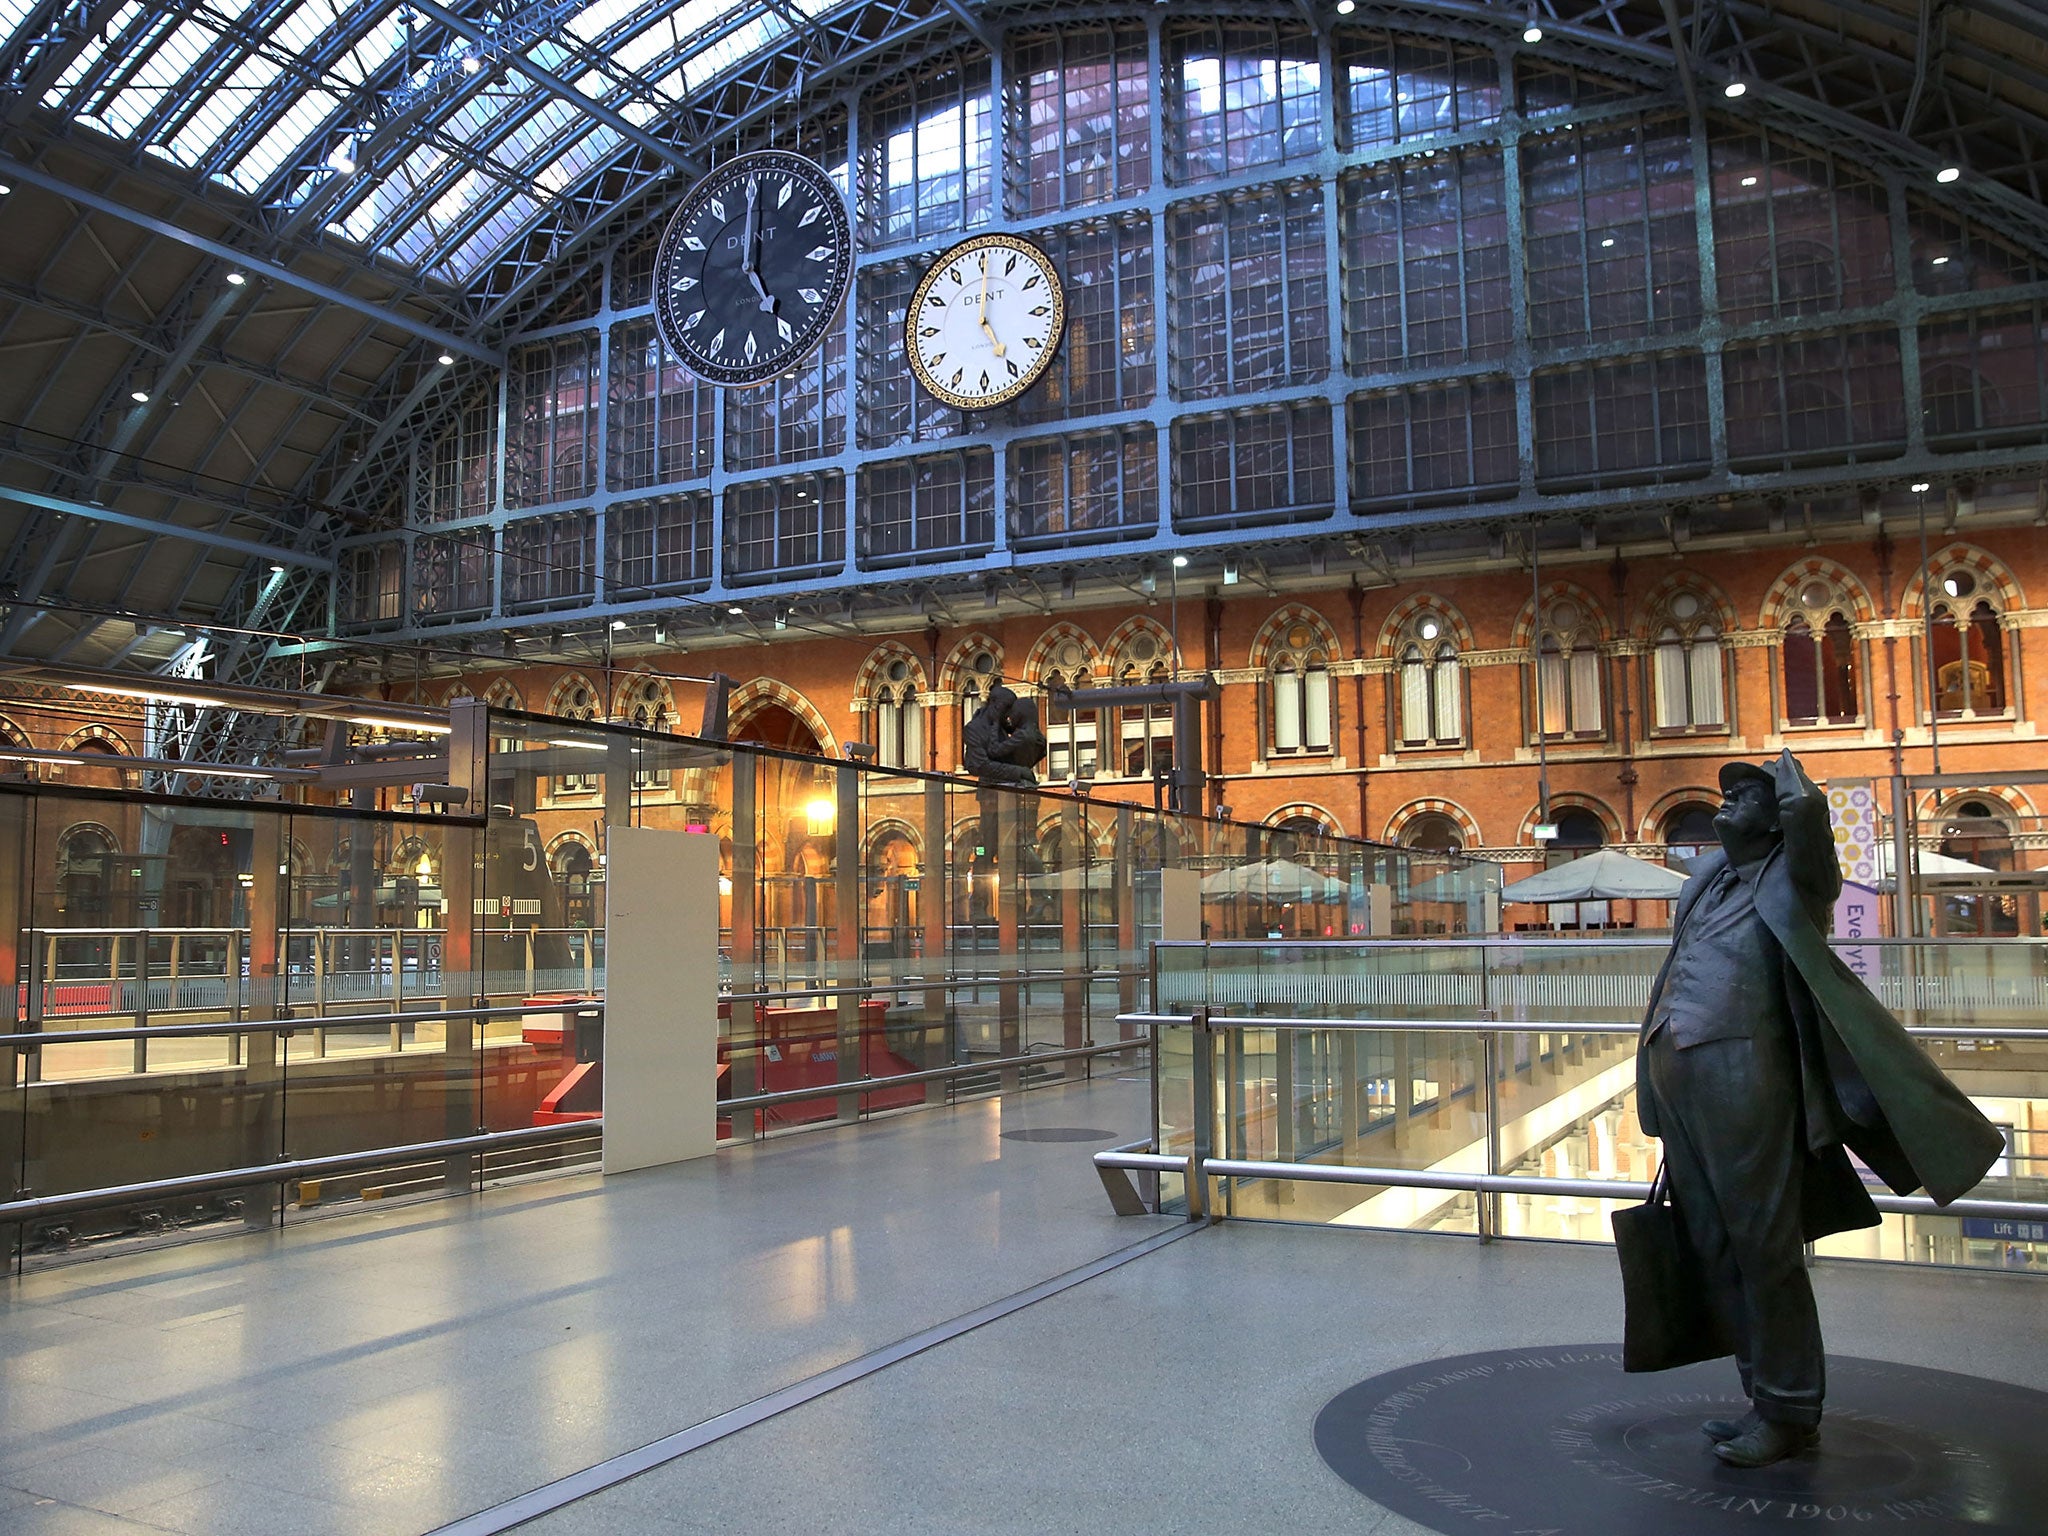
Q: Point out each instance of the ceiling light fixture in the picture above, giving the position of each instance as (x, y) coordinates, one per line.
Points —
(139, 396)
(1532, 33)
(472, 61)
(1949, 173)
(1733, 89)
(736, 611)
(237, 279)
(1180, 562)
(1607, 244)
(1940, 261)
(1346, 7)
(446, 359)
(1749, 181)
(1921, 487)
(342, 158)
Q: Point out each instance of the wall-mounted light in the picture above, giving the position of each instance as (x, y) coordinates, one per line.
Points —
(820, 815)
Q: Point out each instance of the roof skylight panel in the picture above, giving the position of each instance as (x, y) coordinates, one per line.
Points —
(713, 60)
(585, 150)
(280, 144)
(151, 68)
(112, 38)
(596, 20)
(490, 238)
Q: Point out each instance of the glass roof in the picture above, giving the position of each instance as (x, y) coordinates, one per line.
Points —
(276, 99)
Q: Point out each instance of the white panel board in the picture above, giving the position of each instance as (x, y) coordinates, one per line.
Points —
(661, 997)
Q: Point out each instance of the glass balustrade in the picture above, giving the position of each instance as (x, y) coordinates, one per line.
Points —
(203, 984)
(1516, 1057)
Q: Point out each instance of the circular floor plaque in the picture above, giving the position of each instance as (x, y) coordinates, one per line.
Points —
(1059, 1133)
(1558, 1441)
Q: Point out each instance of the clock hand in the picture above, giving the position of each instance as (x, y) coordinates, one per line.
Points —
(994, 341)
(747, 239)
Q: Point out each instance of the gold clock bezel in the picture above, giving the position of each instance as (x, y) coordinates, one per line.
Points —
(1031, 251)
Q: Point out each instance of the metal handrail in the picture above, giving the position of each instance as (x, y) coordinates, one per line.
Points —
(1620, 939)
(1592, 1189)
(939, 984)
(36, 1041)
(1535, 1026)
(929, 1075)
(285, 1170)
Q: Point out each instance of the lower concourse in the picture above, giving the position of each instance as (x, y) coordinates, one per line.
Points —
(397, 1370)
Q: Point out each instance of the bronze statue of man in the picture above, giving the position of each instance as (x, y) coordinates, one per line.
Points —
(1764, 1061)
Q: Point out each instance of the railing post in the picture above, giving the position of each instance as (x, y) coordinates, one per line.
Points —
(1204, 1086)
(141, 997)
(1488, 1211)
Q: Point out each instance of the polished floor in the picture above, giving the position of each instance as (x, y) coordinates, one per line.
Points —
(396, 1371)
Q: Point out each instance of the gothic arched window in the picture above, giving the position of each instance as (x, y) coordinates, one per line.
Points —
(1820, 658)
(899, 717)
(1966, 647)
(1686, 685)
(1298, 680)
(1145, 731)
(574, 700)
(1688, 833)
(976, 678)
(1568, 673)
(1432, 685)
(1070, 734)
(645, 707)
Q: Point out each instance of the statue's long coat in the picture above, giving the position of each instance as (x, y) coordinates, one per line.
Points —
(1865, 1083)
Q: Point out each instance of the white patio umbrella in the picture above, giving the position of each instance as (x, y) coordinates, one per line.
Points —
(1602, 876)
(1274, 880)
(1927, 865)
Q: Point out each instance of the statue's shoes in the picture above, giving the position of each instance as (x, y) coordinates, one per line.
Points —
(1718, 1430)
(1767, 1441)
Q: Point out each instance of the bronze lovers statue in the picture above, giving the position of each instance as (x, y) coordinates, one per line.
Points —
(1763, 1062)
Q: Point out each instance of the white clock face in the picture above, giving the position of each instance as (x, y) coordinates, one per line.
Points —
(985, 321)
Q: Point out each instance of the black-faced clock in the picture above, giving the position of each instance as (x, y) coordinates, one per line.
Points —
(753, 268)
(985, 321)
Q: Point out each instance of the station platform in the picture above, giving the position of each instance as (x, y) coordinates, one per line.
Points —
(431, 1366)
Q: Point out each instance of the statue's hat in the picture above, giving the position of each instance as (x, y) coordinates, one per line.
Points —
(1733, 774)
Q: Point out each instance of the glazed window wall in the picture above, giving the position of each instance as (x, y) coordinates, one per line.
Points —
(662, 545)
(908, 509)
(1249, 217)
